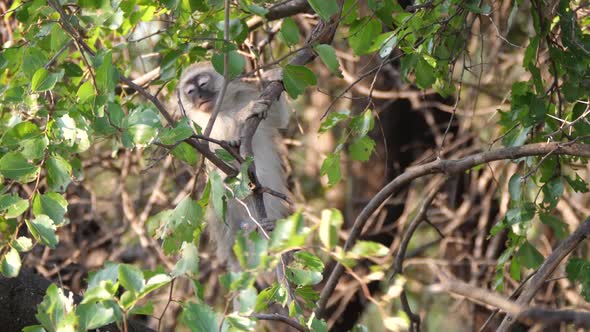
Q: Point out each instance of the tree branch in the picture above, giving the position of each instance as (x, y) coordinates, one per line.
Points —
(219, 99)
(279, 11)
(546, 269)
(283, 319)
(522, 313)
(201, 147)
(447, 167)
(397, 266)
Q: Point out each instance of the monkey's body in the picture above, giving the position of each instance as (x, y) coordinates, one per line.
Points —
(235, 108)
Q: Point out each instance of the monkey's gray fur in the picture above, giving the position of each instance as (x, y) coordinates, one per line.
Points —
(198, 89)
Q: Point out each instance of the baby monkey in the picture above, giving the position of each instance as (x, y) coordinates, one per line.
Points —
(198, 89)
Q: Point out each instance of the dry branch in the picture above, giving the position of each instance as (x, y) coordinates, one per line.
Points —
(519, 312)
(547, 268)
(446, 167)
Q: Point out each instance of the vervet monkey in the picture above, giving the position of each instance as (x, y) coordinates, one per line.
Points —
(198, 89)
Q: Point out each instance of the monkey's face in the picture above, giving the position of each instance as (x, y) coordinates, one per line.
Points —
(201, 91)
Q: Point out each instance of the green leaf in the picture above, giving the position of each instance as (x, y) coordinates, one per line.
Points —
(317, 325)
(369, 249)
(250, 250)
(362, 34)
(578, 184)
(268, 296)
(529, 256)
(86, 92)
(516, 137)
(218, 196)
(94, 315)
(131, 278)
(363, 123)
(324, 8)
(515, 187)
(54, 311)
(104, 291)
(238, 31)
(181, 224)
(188, 211)
(12, 205)
(350, 12)
(236, 322)
(331, 168)
(531, 52)
(514, 269)
(27, 137)
(233, 281)
(289, 32)
(107, 75)
(247, 300)
(330, 224)
(199, 317)
(388, 46)
(43, 230)
(425, 74)
(333, 119)
(253, 8)
(51, 204)
(43, 80)
(116, 114)
(109, 272)
(142, 126)
(11, 264)
(181, 132)
(305, 270)
(188, 262)
(146, 310)
(520, 214)
(59, 173)
(328, 55)
(236, 63)
(578, 269)
(297, 78)
(22, 244)
(14, 166)
(186, 153)
(537, 110)
(288, 233)
(552, 192)
(73, 135)
(559, 227)
(155, 282)
(361, 148)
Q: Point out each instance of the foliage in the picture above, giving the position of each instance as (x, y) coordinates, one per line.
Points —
(62, 92)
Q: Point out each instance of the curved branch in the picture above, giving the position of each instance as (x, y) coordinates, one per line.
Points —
(283, 319)
(279, 11)
(521, 312)
(221, 94)
(447, 167)
(397, 266)
(546, 269)
(201, 147)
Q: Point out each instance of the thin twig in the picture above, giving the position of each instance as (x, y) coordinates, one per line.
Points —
(283, 319)
(221, 94)
(439, 166)
(547, 268)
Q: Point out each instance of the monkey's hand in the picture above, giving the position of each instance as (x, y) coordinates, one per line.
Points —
(267, 225)
(258, 108)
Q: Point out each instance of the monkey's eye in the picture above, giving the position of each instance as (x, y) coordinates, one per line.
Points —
(190, 89)
(203, 80)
